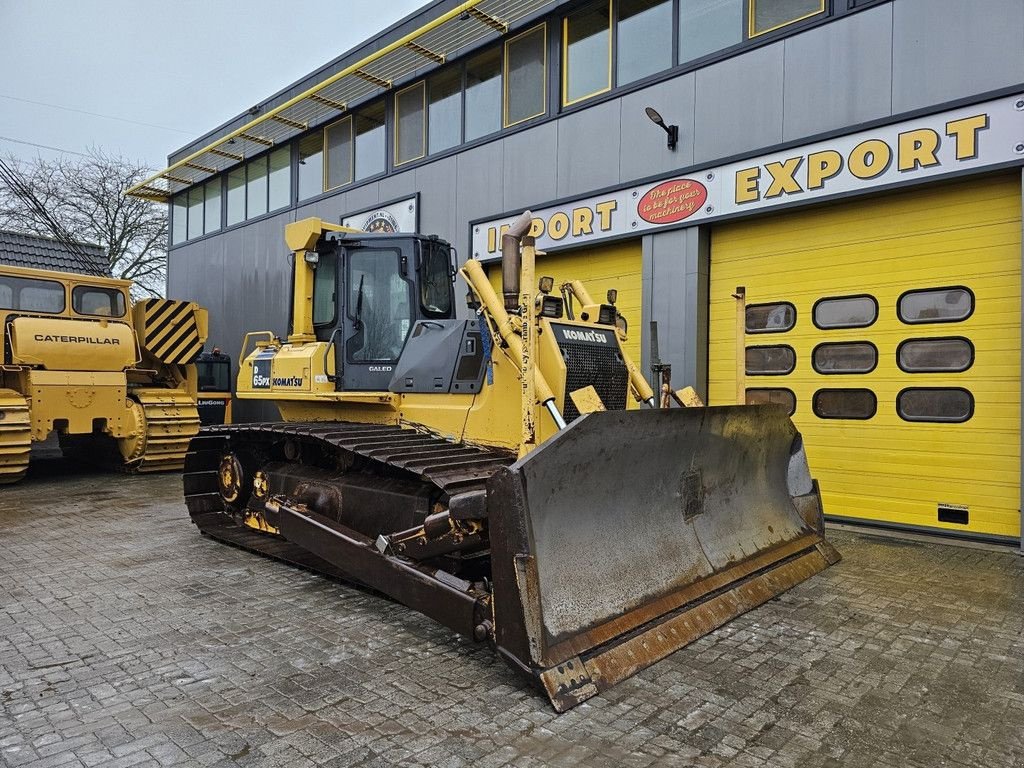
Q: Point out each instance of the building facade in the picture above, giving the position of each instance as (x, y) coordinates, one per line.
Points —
(828, 217)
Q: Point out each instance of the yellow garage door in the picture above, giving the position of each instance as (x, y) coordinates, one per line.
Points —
(611, 266)
(891, 328)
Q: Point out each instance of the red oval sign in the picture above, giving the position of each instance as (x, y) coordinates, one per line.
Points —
(672, 201)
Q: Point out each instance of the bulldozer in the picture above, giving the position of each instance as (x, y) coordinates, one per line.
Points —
(115, 380)
(510, 474)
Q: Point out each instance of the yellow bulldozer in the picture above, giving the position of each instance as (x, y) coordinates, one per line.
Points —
(115, 381)
(487, 471)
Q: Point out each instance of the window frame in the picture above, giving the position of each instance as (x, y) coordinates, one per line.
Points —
(104, 288)
(814, 311)
(814, 403)
(747, 348)
(915, 371)
(929, 321)
(349, 283)
(612, 51)
(422, 85)
(968, 417)
(814, 362)
(790, 304)
(351, 152)
(543, 27)
(747, 390)
(63, 290)
(751, 11)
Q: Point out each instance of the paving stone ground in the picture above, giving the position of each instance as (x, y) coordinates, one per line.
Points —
(127, 639)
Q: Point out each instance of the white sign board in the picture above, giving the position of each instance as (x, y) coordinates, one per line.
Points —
(394, 217)
(960, 140)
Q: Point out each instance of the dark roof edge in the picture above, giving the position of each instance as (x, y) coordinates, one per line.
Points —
(96, 246)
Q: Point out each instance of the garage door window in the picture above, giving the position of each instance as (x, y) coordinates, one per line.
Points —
(845, 404)
(948, 355)
(770, 361)
(770, 318)
(850, 357)
(936, 305)
(936, 404)
(845, 312)
(774, 396)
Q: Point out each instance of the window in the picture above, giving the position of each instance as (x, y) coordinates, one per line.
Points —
(845, 357)
(586, 53)
(766, 15)
(256, 188)
(102, 302)
(706, 26)
(30, 295)
(325, 281)
(410, 123)
(845, 312)
(949, 355)
(371, 149)
(311, 166)
(844, 404)
(525, 75)
(179, 218)
(444, 114)
(936, 305)
(213, 375)
(436, 280)
(236, 195)
(770, 318)
(770, 361)
(280, 178)
(783, 397)
(643, 36)
(379, 304)
(945, 405)
(483, 95)
(212, 213)
(195, 212)
(338, 140)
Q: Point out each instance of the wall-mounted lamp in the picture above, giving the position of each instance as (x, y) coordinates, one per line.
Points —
(671, 130)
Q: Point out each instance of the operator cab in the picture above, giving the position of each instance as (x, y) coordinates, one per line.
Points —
(369, 292)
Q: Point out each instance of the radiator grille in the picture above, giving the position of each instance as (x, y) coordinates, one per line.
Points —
(599, 366)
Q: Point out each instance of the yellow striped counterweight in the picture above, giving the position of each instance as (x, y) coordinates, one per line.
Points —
(169, 330)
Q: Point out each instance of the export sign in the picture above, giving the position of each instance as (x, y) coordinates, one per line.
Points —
(966, 139)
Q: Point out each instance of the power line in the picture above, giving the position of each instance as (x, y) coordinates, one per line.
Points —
(95, 114)
(43, 146)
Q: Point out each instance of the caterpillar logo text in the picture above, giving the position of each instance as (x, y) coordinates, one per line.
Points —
(75, 339)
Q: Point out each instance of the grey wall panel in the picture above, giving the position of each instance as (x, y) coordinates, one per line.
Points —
(329, 208)
(588, 149)
(644, 148)
(531, 169)
(361, 198)
(479, 190)
(398, 186)
(437, 183)
(738, 105)
(948, 49)
(838, 75)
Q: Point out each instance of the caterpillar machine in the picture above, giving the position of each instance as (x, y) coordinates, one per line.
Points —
(487, 471)
(114, 380)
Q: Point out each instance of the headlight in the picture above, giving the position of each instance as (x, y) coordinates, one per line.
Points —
(551, 306)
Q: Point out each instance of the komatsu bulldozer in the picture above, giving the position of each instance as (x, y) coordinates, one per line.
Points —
(114, 380)
(486, 470)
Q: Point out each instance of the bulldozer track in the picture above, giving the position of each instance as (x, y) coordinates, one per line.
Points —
(172, 420)
(390, 450)
(15, 436)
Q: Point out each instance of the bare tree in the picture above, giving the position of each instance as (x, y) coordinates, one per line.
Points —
(85, 196)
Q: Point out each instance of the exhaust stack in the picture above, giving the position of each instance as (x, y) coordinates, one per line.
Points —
(511, 259)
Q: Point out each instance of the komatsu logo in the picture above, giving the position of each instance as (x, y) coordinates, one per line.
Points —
(75, 339)
(290, 381)
(596, 337)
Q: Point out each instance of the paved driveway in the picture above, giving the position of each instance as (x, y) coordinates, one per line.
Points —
(128, 639)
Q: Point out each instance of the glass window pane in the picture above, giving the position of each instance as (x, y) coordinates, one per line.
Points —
(31, 295)
(212, 205)
(311, 166)
(236, 196)
(935, 355)
(410, 122)
(766, 15)
(643, 38)
(339, 153)
(256, 188)
(379, 299)
(706, 26)
(195, 212)
(770, 318)
(179, 218)
(935, 404)
(770, 361)
(483, 95)
(587, 52)
(525, 76)
(783, 397)
(846, 312)
(280, 178)
(102, 302)
(444, 120)
(370, 142)
(847, 357)
(436, 280)
(845, 404)
(325, 283)
(939, 305)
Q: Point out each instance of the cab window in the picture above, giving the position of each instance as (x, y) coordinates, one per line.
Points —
(29, 295)
(325, 281)
(100, 302)
(436, 280)
(214, 375)
(379, 304)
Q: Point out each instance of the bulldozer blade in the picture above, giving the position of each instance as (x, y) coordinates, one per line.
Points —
(630, 534)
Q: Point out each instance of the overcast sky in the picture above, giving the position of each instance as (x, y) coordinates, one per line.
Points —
(182, 67)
